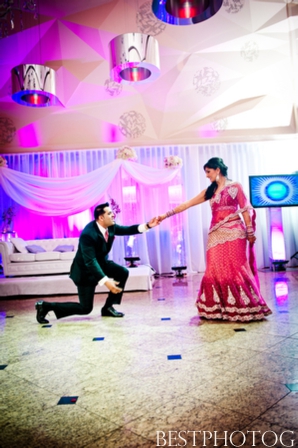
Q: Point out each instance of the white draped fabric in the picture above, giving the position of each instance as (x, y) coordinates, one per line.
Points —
(67, 196)
(142, 190)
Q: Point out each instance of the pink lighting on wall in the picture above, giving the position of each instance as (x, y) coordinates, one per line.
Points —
(207, 131)
(111, 133)
(28, 137)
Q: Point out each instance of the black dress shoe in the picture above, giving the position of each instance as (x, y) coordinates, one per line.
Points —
(111, 312)
(41, 313)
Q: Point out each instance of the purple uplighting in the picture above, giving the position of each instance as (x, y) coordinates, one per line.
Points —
(27, 137)
(110, 133)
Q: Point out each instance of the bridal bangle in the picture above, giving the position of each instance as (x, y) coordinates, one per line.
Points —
(170, 213)
(250, 231)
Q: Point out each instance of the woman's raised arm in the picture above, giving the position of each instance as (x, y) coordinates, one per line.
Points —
(199, 199)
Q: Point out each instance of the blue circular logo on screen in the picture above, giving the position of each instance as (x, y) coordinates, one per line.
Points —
(277, 191)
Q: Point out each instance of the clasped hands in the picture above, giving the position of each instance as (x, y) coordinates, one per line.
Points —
(155, 221)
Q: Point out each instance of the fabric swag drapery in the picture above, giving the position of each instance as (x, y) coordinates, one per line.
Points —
(67, 196)
(71, 200)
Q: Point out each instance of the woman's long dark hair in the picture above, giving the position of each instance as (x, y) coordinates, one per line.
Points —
(214, 163)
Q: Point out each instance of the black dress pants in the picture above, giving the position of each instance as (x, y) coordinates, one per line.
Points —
(86, 294)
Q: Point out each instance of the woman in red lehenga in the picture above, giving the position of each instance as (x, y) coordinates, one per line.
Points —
(230, 288)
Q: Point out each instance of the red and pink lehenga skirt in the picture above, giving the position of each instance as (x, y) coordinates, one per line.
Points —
(229, 290)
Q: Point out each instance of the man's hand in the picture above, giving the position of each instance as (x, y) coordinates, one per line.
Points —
(112, 286)
(154, 222)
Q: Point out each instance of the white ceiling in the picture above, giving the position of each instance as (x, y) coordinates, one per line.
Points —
(230, 78)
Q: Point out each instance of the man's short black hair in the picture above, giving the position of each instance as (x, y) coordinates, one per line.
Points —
(99, 210)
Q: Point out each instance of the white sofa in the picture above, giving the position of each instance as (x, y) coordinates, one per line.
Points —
(18, 261)
(27, 273)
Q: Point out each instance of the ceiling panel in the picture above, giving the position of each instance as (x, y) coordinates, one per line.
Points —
(230, 78)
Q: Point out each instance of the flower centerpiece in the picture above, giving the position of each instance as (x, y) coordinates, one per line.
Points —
(173, 162)
(7, 219)
(126, 153)
(3, 161)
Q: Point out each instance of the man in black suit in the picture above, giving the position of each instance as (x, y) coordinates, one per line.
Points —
(92, 266)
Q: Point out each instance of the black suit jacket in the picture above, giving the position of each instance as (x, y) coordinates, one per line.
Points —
(88, 265)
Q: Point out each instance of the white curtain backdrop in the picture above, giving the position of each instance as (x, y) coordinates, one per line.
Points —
(67, 196)
(79, 180)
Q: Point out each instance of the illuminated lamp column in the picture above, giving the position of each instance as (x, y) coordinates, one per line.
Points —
(277, 252)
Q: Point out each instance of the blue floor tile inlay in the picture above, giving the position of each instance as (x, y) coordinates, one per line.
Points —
(67, 400)
(292, 387)
(170, 357)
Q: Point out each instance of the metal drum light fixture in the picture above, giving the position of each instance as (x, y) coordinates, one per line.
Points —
(181, 12)
(34, 85)
(134, 57)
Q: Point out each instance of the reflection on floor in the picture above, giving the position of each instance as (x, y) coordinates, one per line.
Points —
(158, 377)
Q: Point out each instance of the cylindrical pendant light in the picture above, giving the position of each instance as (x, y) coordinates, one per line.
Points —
(181, 12)
(134, 57)
(34, 85)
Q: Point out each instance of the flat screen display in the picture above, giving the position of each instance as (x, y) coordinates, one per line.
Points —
(274, 190)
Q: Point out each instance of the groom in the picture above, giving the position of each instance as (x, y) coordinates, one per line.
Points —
(92, 266)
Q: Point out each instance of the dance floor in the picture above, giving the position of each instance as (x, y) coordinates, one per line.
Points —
(158, 377)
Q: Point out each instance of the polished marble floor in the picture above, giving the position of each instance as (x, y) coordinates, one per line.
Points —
(158, 377)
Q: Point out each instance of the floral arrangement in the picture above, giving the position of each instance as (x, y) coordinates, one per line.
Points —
(173, 162)
(3, 161)
(7, 217)
(126, 153)
(115, 207)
